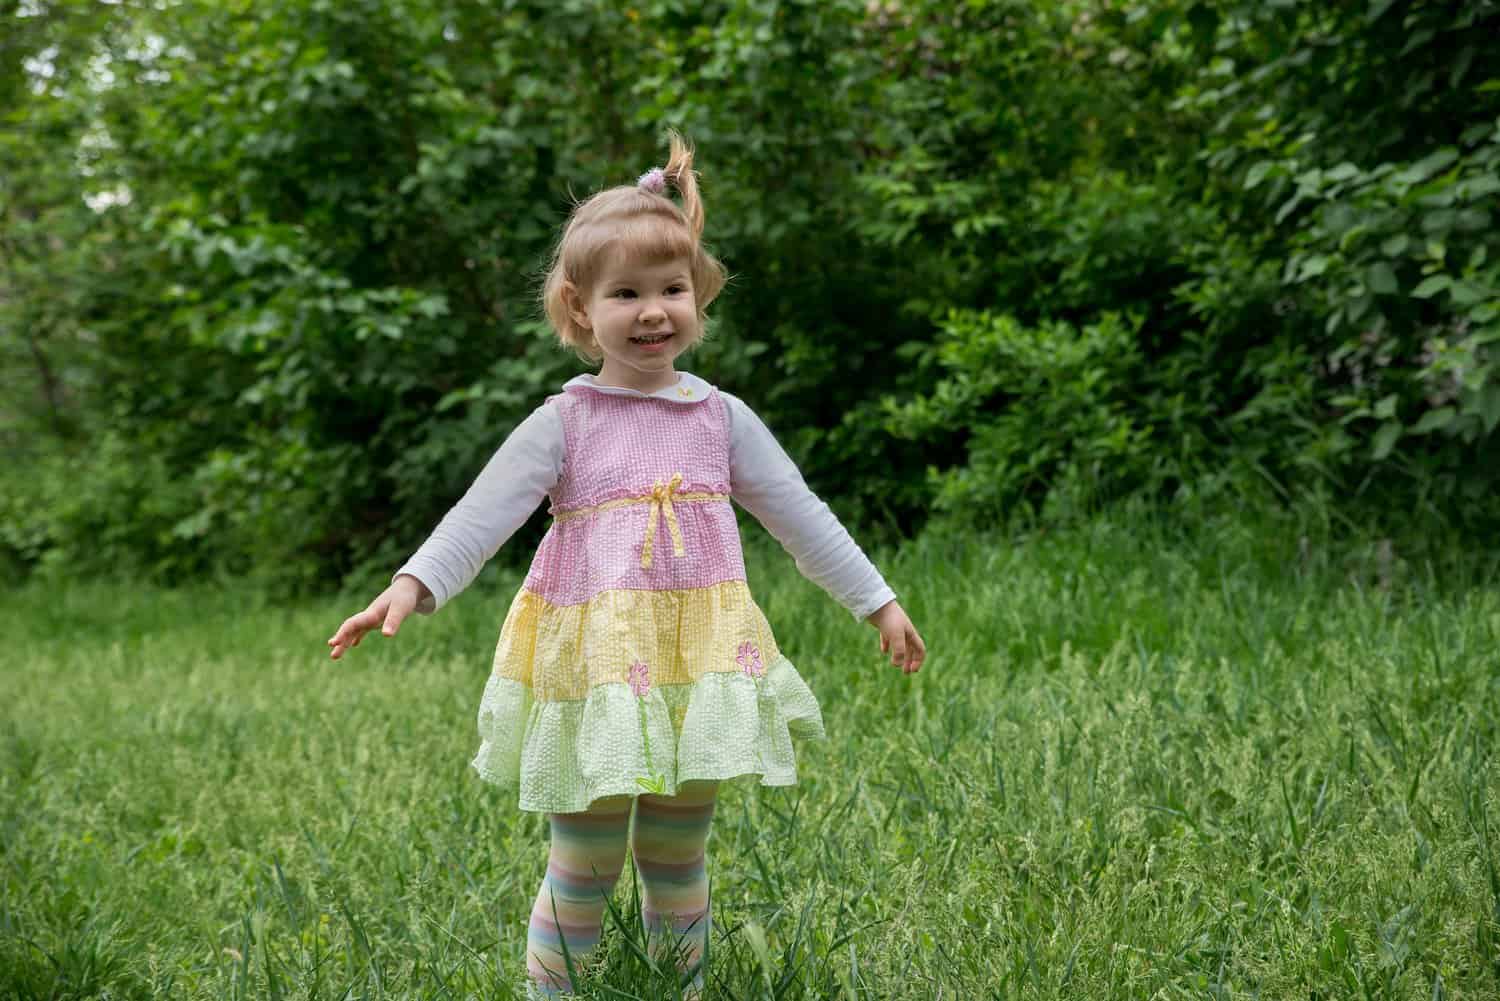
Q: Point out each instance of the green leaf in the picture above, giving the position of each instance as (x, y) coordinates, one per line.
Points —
(1489, 407)
(1440, 221)
(1386, 407)
(1431, 164)
(1312, 267)
(1382, 279)
(1396, 245)
(1467, 294)
(432, 306)
(1445, 195)
(1459, 67)
(1431, 286)
(1417, 39)
(1385, 439)
(1289, 207)
(1483, 186)
(1434, 420)
(1257, 173)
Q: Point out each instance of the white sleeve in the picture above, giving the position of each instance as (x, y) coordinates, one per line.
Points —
(512, 484)
(765, 482)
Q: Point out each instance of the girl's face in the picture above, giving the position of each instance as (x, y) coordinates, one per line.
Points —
(642, 316)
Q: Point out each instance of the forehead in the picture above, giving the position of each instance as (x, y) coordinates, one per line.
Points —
(621, 267)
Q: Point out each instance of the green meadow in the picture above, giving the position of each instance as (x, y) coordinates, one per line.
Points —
(1235, 761)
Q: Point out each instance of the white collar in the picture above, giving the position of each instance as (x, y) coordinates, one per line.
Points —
(688, 388)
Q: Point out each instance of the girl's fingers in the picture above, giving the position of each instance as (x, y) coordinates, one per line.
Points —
(339, 647)
(353, 628)
(352, 631)
(918, 651)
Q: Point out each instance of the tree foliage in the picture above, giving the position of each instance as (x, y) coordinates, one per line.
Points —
(267, 292)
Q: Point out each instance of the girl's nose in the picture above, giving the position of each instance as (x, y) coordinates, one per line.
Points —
(651, 311)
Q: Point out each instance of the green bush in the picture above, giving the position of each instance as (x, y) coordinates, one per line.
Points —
(311, 316)
(109, 510)
(1295, 200)
(1397, 261)
(1371, 348)
(1057, 418)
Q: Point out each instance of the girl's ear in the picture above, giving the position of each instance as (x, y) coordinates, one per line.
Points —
(573, 299)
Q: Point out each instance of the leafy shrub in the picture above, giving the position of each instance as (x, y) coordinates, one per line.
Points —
(1094, 247)
(1398, 261)
(1373, 200)
(1057, 417)
(112, 509)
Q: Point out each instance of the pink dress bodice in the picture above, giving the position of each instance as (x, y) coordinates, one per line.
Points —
(618, 450)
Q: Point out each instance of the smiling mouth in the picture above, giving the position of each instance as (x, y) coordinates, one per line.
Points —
(650, 339)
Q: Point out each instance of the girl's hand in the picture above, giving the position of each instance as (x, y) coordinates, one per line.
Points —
(387, 611)
(899, 637)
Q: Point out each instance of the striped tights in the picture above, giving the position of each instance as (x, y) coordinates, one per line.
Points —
(586, 857)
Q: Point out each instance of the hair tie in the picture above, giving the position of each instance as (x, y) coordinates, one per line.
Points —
(653, 181)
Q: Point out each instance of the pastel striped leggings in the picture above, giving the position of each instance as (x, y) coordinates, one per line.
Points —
(585, 861)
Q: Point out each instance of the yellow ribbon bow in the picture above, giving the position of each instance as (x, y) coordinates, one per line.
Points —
(661, 504)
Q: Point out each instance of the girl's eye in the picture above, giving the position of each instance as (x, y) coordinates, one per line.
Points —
(674, 290)
(624, 293)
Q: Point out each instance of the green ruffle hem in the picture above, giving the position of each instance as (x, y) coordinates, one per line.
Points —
(565, 755)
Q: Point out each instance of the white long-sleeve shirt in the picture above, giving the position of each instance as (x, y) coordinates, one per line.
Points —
(763, 480)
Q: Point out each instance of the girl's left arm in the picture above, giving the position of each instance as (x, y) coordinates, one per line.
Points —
(766, 482)
(899, 637)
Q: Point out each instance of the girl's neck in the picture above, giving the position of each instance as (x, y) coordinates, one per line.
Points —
(641, 382)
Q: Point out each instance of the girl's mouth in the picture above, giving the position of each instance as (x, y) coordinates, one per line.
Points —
(650, 340)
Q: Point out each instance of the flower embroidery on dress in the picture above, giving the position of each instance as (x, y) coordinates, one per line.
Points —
(640, 679)
(640, 684)
(685, 392)
(749, 660)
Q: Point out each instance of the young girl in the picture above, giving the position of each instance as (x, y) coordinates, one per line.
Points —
(634, 667)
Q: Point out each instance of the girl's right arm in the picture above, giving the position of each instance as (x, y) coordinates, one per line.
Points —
(387, 610)
(513, 483)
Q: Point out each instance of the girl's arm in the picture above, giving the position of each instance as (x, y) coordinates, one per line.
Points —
(766, 482)
(498, 502)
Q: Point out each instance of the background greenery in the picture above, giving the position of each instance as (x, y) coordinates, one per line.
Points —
(267, 272)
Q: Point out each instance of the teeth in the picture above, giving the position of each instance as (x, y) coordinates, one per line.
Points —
(653, 339)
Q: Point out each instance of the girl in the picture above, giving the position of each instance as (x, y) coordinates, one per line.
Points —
(634, 667)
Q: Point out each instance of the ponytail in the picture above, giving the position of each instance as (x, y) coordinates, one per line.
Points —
(679, 171)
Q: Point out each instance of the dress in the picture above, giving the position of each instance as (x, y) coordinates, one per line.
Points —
(634, 658)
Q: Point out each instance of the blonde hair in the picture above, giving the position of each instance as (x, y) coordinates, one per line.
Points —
(640, 223)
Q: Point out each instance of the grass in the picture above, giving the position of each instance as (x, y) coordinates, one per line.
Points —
(1143, 762)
